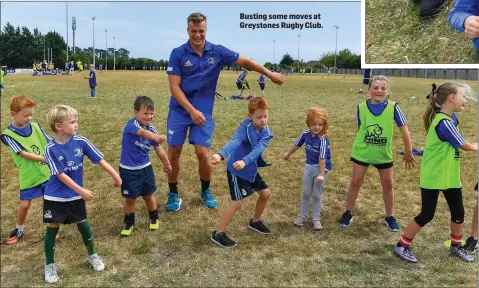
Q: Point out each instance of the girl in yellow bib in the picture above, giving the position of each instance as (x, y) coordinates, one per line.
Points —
(441, 168)
(372, 146)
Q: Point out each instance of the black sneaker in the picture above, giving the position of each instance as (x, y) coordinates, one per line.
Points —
(259, 227)
(222, 240)
(471, 244)
(346, 219)
(14, 236)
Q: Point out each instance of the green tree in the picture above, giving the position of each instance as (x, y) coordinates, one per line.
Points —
(287, 60)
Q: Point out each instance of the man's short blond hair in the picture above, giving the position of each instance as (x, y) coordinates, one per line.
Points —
(196, 18)
(58, 113)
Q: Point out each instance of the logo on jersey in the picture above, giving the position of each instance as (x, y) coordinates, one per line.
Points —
(78, 152)
(211, 60)
(60, 158)
(70, 163)
(35, 149)
(188, 64)
(48, 214)
(373, 135)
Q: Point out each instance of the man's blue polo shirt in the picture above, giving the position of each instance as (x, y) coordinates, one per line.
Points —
(199, 74)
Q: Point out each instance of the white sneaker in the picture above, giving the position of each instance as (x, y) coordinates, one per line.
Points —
(405, 253)
(300, 221)
(462, 253)
(96, 262)
(317, 225)
(51, 273)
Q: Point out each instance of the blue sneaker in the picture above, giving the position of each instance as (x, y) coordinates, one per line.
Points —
(174, 202)
(208, 199)
(391, 223)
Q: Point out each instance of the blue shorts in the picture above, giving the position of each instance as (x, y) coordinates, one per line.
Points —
(366, 81)
(1, 86)
(136, 183)
(33, 193)
(261, 85)
(177, 125)
(241, 188)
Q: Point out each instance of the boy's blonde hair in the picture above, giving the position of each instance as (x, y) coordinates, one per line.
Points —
(21, 101)
(58, 113)
(257, 103)
(321, 114)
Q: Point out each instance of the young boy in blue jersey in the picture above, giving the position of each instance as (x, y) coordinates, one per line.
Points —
(100, 67)
(193, 72)
(27, 142)
(92, 80)
(64, 198)
(139, 135)
(240, 82)
(246, 149)
(261, 83)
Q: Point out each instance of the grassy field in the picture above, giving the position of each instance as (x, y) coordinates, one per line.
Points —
(394, 30)
(180, 253)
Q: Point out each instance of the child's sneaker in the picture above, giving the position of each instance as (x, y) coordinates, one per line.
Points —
(96, 262)
(51, 275)
(471, 244)
(391, 223)
(154, 224)
(317, 225)
(174, 202)
(300, 221)
(222, 240)
(346, 219)
(259, 227)
(461, 253)
(208, 199)
(127, 230)
(405, 253)
(14, 236)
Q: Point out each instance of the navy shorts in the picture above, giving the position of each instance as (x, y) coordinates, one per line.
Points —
(378, 166)
(239, 85)
(136, 183)
(366, 81)
(34, 192)
(92, 87)
(178, 124)
(240, 188)
(261, 85)
(64, 212)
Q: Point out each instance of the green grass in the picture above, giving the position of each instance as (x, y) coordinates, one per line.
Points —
(394, 30)
(180, 253)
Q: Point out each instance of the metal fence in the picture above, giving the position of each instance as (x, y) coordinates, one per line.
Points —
(452, 74)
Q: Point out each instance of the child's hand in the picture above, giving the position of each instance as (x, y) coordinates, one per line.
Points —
(117, 180)
(239, 165)
(167, 168)
(475, 146)
(319, 179)
(86, 77)
(160, 139)
(86, 194)
(286, 156)
(409, 161)
(215, 159)
(471, 27)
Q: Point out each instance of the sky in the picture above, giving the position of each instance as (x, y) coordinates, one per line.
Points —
(153, 29)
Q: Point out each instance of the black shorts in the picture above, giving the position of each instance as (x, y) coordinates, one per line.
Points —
(239, 85)
(240, 188)
(92, 87)
(378, 166)
(64, 212)
(261, 85)
(136, 183)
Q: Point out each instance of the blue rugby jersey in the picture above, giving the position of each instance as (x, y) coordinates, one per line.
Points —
(135, 150)
(316, 148)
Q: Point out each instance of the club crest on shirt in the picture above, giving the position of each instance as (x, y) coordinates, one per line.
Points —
(188, 64)
(211, 60)
(78, 152)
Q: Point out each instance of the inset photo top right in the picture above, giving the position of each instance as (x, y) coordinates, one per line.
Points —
(421, 31)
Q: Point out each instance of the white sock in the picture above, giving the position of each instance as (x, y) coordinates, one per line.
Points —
(20, 228)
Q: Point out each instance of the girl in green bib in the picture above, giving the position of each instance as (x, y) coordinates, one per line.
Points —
(440, 168)
(372, 146)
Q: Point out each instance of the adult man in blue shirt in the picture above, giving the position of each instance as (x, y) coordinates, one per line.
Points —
(193, 71)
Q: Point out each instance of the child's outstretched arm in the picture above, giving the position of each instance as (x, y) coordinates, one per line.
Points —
(408, 158)
(469, 146)
(32, 156)
(84, 193)
(151, 136)
(164, 159)
(107, 167)
(290, 152)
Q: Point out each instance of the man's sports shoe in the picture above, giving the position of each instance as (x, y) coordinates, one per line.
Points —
(460, 252)
(346, 219)
(174, 202)
(222, 240)
(51, 275)
(471, 244)
(154, 224)
(127, 230)
(391, 223)
(259, 227)
(14, 236)
(208, 199)
(405, 253)
(299, 222)
(96, 262)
